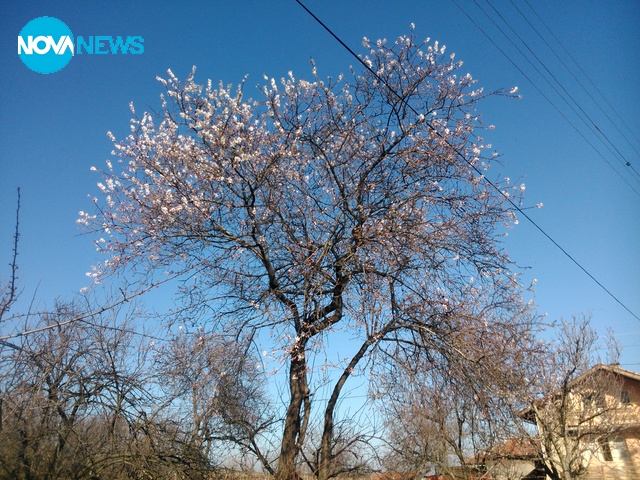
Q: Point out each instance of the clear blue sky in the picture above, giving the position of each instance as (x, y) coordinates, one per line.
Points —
(53, 127)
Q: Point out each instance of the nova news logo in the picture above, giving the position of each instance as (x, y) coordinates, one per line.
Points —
(46, 45)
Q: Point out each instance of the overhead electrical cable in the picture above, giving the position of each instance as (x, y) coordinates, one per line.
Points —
(586, 118)
(464, 158)
(575, 62)
(570, 71)
(564, 96)
(560, 112)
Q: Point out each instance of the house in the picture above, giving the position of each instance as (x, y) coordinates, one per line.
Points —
(589, 428)
(515, 459)
(591, 425)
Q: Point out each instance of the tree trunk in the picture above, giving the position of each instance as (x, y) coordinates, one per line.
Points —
(294, 424)
(326, 445)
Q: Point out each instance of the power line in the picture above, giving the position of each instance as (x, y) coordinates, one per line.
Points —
(513, 204)
(575, 62)
(524, 74)
(580, 112)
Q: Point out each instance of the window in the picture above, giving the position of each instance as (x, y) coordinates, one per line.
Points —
(619, 449)
(594, 401)
(588, 401)
(625, 398)
(606, 450)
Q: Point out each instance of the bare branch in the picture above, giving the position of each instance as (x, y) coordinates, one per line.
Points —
(9, 293)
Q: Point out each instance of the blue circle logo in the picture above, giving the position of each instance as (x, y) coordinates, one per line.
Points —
(45, 45)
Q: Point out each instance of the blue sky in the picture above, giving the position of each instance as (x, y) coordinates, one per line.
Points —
(53, 127)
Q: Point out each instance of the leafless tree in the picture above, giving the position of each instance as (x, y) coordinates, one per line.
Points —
(355, 448)
(576, 407)
(80, 403)
(351, 207)
(547, 406)
(80, 399)
(442, 408)
(215, 391)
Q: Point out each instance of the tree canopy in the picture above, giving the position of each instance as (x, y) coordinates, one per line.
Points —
(327, 205)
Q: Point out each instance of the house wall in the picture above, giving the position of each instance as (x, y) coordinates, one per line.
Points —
(509, 469)
(633, 445)
(633, 409)
(622, 466)
(624, 444)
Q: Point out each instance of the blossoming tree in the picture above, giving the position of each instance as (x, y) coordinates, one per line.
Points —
(352, 204)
